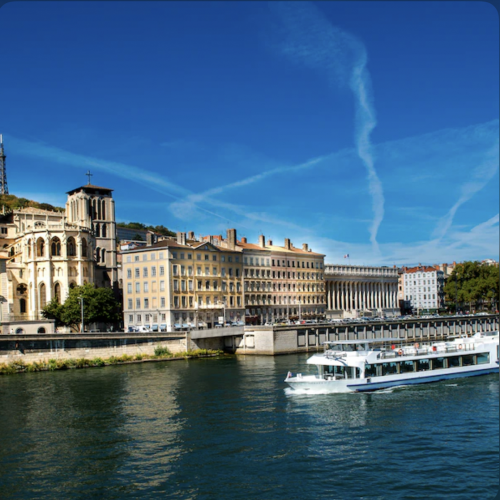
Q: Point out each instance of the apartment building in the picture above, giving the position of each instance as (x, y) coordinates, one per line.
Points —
(280, 282)
(182, 283)
(423, 287)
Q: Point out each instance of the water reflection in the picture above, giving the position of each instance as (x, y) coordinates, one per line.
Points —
(211, 429)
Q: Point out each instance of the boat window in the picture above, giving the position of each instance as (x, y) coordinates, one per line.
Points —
(370, 370)
(483, 358)
(422, 365)
(389, 368)
(406, 366)
(437, 363)
(468, 360)
(453, 361)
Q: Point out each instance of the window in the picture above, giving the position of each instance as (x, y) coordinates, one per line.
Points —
(190, 256)
(223, 258)
(137, 272)
(162, 302)
(183, 270)
(454, 362)
(129, 287)
(146, 287)
(183, 285)
(130, 303)
(176, 301)
(162, 271)
(214, 271)
(129, 273)
(198, 256)
(138, 303)
(207, 257)
(176, 285)
(146, 303)
(406, 366)
(162, 286)
(483, 358)
(136, 258)
(153, 272)
(214, 257)
(145, 256)
(389, 368)
(139, 318)
(422, 365)
(131, 318)
(137, 287)
(174, 255)
(144, 272)
(182, 255)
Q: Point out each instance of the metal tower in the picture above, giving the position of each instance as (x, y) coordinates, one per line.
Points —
(4, 189)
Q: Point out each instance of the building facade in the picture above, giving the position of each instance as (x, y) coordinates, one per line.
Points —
(354, 291)
(47, 252)
(423, 287)
(281, 282)
(182, 283)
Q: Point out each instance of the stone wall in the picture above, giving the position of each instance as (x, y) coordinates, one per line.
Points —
(90, 352)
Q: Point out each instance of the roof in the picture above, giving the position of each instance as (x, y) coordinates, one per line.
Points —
(40, 211)
(190, 245)
(421, 269)
(275, 248)
(89, 186)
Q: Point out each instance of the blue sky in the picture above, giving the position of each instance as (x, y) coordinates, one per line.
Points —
(363, 128)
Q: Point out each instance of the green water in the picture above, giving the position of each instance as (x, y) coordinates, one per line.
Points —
(228, 428)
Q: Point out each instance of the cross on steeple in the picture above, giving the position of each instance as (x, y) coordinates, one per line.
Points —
(89, 175)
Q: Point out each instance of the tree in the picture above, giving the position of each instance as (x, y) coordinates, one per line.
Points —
(474, 284)
(54, 310)
(99, 305)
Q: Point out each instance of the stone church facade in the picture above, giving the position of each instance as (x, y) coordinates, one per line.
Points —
(45, 253)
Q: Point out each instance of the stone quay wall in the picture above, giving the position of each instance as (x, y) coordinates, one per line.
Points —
(40, 347)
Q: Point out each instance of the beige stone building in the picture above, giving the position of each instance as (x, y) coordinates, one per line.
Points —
(46, 253)
(281, 282)
(182, 283)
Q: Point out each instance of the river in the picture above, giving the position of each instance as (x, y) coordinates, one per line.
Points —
(229, 429)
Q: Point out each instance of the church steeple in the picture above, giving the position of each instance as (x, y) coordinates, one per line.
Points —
(4, 189)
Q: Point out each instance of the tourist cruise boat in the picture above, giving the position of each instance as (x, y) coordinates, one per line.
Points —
(370, 365)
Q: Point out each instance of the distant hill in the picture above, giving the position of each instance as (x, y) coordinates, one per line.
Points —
(139, 225)
(12, 202)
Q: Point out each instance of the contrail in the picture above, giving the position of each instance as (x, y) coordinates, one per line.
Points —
(308, 38)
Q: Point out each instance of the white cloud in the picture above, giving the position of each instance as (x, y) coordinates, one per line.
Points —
(310, 39)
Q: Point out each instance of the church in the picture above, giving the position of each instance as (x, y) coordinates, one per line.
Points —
(45, 253)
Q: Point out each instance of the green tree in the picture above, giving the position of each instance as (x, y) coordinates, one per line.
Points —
(99, 305)
(54, 310)
(474, 285)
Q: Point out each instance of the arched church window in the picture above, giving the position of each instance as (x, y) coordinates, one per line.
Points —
(40, 247)
(84, 247)
(22, 306)
(57, 292)
(21, 289)
(104, 231)
(103, 255)
(71, 247)
(56, 247)
(97, 230)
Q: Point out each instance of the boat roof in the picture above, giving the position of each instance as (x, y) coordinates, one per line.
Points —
(365, 341)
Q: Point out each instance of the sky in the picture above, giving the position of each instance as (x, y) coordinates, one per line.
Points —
(368, 129)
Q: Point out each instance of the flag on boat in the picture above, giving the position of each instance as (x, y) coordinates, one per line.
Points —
(346, 256)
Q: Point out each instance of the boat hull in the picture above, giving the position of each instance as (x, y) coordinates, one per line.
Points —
(315, 384)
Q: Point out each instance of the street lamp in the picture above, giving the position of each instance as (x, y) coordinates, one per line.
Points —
(81, 309)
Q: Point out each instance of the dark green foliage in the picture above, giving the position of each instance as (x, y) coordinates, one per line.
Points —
(139, 225)
(12, 202)
(476, 286)
(162, 351)
(99, 305)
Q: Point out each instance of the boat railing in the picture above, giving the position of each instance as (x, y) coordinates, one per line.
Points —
(426, 350)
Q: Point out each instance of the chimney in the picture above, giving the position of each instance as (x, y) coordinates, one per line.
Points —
(262, 241)
(244, 240)
(181, 238)
(269, 243)
(305, 247)
(191, 235)
(211, 240)
(287, 243)
(150, 238)
(231, 238)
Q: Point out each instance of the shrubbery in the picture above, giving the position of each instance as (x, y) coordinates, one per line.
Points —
(19, 366)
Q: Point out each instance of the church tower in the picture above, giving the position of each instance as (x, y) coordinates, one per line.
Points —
(3, 170)
(93, 207)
